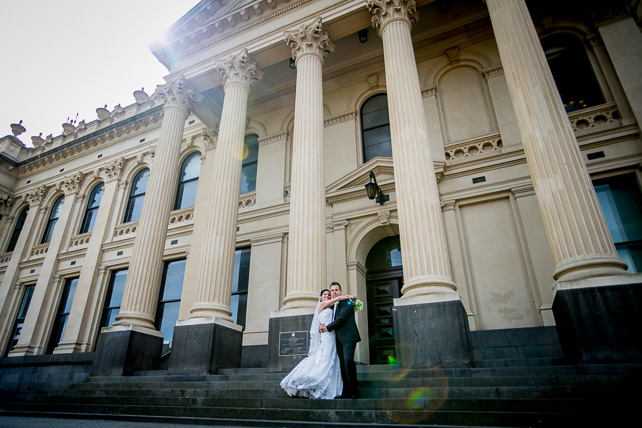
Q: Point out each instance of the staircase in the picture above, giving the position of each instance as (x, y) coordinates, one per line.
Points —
(527, 396)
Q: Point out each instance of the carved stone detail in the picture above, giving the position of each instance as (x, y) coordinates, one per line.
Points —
(72, 184)
(113, 170)
(35, 197)
(178, 93)
(309, 39)
(384, 11)
(239, 68)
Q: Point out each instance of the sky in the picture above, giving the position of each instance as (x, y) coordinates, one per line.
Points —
(66, 57)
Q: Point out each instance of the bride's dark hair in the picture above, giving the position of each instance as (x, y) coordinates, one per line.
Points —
(323, 291)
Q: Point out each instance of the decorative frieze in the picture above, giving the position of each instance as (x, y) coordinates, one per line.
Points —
(247, 200)
(473, 149)
(595, 119)
(343, 117)
(493, 72)
(125, 229)
(39, 250)
(79, 241)
(181, 216)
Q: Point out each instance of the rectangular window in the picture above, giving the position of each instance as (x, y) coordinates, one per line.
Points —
(240, 282)
(621, 203)
(64, 308)
(114, 297)
(20, 318)
(170, 299)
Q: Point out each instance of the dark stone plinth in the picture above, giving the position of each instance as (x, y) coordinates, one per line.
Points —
(284, 363)
(600, 324)
(121, 353)
(432, 335)
(205, 348)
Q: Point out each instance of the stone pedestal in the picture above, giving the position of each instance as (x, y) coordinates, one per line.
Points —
(123, 351)
(600, 323)
(432, 335)
(289, 324)
(205, 348)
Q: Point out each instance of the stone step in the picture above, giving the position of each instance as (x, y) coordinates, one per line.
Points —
(393, 393)
(531, 418)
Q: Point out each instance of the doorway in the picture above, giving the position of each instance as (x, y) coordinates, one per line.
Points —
(384, 279)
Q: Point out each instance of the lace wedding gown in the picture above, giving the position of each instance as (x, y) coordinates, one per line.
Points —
(318, 375)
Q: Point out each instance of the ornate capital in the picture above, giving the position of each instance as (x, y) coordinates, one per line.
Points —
(36, 196)
(309, 39)
(72, 184)
(178, 93)
(384, 11)
(239, 68)
(113, 170)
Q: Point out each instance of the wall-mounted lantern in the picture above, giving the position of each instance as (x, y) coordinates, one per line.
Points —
(374, 191)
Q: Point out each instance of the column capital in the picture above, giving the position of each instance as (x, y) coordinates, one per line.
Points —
(385, 11)
(72, 183)
(239, 68)
(178, 94)
(310, 39)
(36, 196)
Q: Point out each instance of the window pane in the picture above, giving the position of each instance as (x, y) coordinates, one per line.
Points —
(186, 196)
(134, 209)
(90, 219)
(95, 196)
(241, 276)
(64, 308)
(26, 300)
(140, 183)
(55, 211)
(386, 253)
(51, 225)
(378, 102)
(238, 305)
(118, 287)
(17, 229)
(53, 220)
(375, 126)
(191, 167)
(20, 318)
(173, 285)
(377, 136)
(375, 118)
(168, 320)
(621, 203)
(248, 178)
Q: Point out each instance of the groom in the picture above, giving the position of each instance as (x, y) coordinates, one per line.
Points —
(347, 337)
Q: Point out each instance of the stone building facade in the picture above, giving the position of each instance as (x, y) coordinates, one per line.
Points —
(206, 217)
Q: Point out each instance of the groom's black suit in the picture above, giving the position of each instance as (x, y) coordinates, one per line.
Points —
(347, 336)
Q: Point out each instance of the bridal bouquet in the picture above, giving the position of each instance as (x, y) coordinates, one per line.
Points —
(358, 304)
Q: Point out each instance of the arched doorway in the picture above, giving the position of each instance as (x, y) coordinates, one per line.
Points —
(384, 279)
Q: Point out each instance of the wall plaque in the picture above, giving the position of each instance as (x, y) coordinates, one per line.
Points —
(293, 343)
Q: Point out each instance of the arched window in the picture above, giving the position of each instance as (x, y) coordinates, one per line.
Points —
(92, 209)
(188, 182)
(250, 163)
(17, 229)
(53, 219)
(136, 196)
(375, 128)
(572, 71)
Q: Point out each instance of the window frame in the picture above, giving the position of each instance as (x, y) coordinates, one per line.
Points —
(66, 298)
(247, 165)
(127, 218)
(17, 229)
(380, 126)
(22, 310)
(92, 212)
(182, 183)
(235, 286)
(52, 221)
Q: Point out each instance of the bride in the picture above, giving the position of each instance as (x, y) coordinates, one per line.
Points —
(319, 374)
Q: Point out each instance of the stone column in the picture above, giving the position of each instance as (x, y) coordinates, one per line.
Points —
(306, 272)
(210, 326)
(46, 295)
(133, 333)
(580, 242)
(8, 307)
(429, 292)
(306, 260)
(87, 307)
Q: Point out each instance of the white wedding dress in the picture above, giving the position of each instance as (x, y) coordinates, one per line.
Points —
(318, 375)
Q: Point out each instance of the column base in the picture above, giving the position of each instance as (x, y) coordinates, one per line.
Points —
(284, 358)
(205, 348)
(432, 334)
(600, 324)
(122, 351)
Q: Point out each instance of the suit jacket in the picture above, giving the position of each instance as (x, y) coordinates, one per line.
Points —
(344, 324)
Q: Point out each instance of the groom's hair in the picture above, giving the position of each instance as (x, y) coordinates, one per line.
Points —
(335, 283)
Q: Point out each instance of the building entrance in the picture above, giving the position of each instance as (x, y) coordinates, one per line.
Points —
(384, 280)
